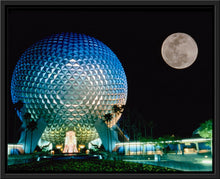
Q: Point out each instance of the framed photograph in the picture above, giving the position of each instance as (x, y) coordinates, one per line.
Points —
(110, 88)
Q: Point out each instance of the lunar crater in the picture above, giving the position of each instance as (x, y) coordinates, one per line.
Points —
(179, 50)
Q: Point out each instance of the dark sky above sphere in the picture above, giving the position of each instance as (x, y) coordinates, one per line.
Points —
(176, 100)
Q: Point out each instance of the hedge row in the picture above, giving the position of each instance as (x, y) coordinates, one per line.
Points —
(82, 166)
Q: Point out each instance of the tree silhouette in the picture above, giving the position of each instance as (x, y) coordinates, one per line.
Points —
(26, 118)
(205, 130)
(151, 125)
(107, 119)
(118, 108)
(18, 105)
(32, 125)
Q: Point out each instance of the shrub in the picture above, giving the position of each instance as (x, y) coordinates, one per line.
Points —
(81, 165)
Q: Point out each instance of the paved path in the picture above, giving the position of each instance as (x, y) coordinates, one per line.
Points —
(191, 163)
(182, 166)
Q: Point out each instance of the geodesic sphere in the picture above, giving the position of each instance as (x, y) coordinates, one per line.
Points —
(71, 80)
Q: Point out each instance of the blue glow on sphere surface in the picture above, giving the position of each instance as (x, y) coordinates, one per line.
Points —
(71, 80)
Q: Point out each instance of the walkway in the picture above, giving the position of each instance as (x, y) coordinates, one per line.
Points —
(187, 162)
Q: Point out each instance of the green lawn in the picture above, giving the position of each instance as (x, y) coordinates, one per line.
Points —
(82, 166)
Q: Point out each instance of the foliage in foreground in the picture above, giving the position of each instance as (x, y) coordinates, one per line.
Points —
(205, 129)
(86, 166)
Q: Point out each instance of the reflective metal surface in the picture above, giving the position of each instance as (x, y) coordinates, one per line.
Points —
(71, 80)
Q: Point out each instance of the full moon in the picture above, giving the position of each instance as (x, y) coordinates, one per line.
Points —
(179, 50)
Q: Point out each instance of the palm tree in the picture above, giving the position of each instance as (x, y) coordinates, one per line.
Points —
(108, 118)
(32, 126)
(18, 106)
(206, 130)
(118, 108)
(151, 125)
(27, 118)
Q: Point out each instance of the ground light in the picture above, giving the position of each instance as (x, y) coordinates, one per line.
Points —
(207, 161)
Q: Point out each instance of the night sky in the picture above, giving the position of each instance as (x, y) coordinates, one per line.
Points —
(177, 101)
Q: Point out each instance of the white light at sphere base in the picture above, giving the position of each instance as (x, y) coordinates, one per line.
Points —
(70, 80)
(70, 143)
(179, 50)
